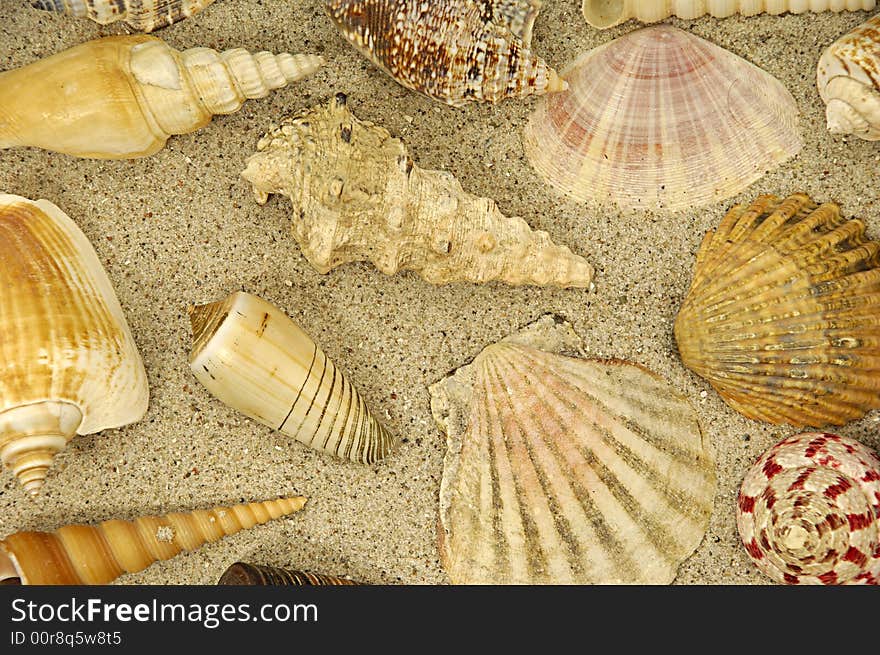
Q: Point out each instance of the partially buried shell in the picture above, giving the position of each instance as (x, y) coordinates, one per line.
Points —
(358, 196)
(69, 363)
(783, 314)
(450, 50)
(848, 77)
(661, 118)
(141, 15)
(123, 96)
(98, 554)
(809, 511)
(566, 470)
(255, 359)
(605, 13)
(242, 573)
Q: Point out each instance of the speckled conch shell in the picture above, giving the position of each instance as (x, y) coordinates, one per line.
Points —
(242, 573)
(848, 77)
(783, 314)
(254, 358)
(69, 363)
(606, 13)
(809, 511)
(566, 470)
(98, 554)
(357, 196)
(660, 118)
(140, 15)
(450, 50)
(123, 96)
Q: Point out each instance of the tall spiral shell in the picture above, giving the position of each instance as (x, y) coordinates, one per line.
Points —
(242, 573)
(809, 511)
(123, 96)
(848, 77)
(140, 15)
(98, 554)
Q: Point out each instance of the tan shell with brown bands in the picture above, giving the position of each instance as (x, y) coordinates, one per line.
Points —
(254, 358)
(242, 573)
(140, 15)
(85, 554)
(783, 314)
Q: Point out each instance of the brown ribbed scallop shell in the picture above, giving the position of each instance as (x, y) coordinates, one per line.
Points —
(242, 573)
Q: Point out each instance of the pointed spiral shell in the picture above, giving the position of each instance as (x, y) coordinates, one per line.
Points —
(141, 15)
(242, 573)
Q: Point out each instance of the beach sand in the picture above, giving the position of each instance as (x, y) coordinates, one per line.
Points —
(181, 227)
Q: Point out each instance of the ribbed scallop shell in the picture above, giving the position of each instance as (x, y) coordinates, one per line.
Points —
(783, 314)
(242, 573)
(809, 511)
(661, 118)
(563, 470)
(141, 15)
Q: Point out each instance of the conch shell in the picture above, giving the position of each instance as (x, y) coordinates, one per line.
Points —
(255, 359)
(848, 77)
(242, 573)
(450, 50)
(123, 96)
(69, 363)
(358, 196)
(98, 554)
(606, 13)
(140, 15)
(783, 314)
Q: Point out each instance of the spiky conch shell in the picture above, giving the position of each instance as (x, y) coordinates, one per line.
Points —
(450, 50)
(783, 314)
(564, 470)
(242, 573)
(357, 196)
(255, 359)
(123, 96)
(70, 364)
(140, 15)
(98, 554)
(661, 119)
(848, 78)
(607, 13)
(808, 511)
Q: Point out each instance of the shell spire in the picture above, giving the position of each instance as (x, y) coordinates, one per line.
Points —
(140, 15)
(98, 554)
(358, 196)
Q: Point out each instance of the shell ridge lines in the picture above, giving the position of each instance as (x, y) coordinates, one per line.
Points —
(305, 382)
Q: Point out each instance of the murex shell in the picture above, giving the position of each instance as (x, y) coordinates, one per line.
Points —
(242, 573)
(848, 77)
(123, 96)
(450, 50)
(566, 470)
(809, 511)
(605, 13)
(357, 196)
(69, 363)
(783, 314)
(661, 118)
(141, 15)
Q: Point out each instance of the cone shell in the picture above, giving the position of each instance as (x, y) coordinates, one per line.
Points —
(848, 77)
(255, 359)
(565, 470)
(783, 314)
(242, 573)
(123, 96)
(70, 364)
(140, 15)
(606, 13)
(661, 118)
(88, 555)
(809, 511)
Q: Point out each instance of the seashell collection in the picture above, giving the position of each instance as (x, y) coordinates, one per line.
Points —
(445, 442)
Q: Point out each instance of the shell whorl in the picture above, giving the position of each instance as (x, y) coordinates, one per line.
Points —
(142, 15)
(242, 573)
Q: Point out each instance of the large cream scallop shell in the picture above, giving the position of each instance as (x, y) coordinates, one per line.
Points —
(783, 314)
(661, 118)
(69, 363)
(564, 470)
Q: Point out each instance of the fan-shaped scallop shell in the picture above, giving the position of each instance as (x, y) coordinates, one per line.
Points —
(661, 118)
(565, 470)
(809, 511)
(242, 573)
(783, 314)
(141, 15)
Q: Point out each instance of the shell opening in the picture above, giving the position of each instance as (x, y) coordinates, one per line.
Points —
(603, 13)
(9, 573)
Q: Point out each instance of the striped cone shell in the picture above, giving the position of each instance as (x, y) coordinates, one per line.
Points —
(242, 573)
(809, 511)
(661, 118)
(140, 15)
(567, 471)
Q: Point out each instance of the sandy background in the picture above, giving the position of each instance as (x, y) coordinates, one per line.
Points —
(181, 227)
